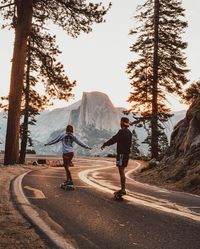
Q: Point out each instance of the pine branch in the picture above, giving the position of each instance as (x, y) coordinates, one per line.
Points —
(7, 5)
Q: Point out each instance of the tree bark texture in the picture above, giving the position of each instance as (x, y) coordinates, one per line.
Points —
(22, 31)
(154, 121)
(24, 134)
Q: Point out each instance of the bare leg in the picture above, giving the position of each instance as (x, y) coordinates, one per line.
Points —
(122, 178)
(68, 173)
(66, 162)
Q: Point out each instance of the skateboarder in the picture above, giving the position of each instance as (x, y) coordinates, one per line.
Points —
(67, 140)
(123, 139)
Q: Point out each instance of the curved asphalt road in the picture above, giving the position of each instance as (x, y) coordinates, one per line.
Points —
(148, 218)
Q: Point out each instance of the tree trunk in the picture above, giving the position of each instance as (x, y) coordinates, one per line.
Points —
(24, 134)
(24, 138)
(22, 30)
(154, 121)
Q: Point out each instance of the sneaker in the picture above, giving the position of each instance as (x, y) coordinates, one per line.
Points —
(64, 184)
(121, 192)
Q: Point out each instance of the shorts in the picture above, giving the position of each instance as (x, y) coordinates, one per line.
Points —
(122, 160)
(67, 158)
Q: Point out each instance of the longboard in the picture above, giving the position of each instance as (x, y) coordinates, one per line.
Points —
(67, 187)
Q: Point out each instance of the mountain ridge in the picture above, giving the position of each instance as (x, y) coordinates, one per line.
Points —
(94, 118)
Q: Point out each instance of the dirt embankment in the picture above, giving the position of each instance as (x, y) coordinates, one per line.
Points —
(171, 177)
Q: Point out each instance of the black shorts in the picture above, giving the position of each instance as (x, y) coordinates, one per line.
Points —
(122, 160)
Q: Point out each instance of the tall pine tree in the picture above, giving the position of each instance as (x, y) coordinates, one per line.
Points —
(21, 19)
(192, 92)
(160, 67)
(135, 152)
(41, 66)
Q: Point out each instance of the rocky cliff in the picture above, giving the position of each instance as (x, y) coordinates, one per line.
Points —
(185, 139)
(180, 168)
(97, 110)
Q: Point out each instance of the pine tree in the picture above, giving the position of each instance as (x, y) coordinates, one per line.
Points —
(192, 92)
(41, 66)
(73, 16)
(160, 67)
(24, 10)
(134, 145)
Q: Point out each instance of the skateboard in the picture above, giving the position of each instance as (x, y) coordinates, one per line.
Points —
(67, 187)
(118, 196)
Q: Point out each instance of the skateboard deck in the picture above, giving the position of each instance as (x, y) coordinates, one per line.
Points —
(67, 187)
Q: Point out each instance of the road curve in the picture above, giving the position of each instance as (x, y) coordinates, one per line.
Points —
(149, 218)
(178, 203)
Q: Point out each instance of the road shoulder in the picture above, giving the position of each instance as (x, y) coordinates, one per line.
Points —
(16, 231)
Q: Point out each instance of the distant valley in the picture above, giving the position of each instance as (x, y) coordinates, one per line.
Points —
(94, 118)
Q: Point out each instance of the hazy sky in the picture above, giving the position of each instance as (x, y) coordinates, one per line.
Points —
(97, 61)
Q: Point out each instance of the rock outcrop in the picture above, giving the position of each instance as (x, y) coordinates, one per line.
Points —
(180, 168)
(96, 110)
(181, 165)
(185, 139)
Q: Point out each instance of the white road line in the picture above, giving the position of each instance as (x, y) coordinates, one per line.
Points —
(109, 188)
(158, 189)
(27, 208)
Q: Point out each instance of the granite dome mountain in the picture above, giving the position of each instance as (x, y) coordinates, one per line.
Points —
(94, 118)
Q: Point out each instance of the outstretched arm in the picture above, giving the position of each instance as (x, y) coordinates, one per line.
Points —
(54, 141)
(76, 140)
(111, 141)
